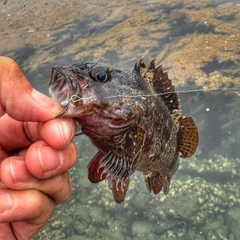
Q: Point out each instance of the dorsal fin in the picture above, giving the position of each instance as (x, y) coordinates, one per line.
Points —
(187, 137)
(160, 82)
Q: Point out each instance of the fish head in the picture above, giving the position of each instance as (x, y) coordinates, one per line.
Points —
(93, 94)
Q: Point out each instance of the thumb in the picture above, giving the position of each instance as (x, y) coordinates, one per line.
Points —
(19, 99)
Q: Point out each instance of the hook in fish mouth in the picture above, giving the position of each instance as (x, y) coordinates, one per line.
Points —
(75, 98)
(68, 88)
(63, 87)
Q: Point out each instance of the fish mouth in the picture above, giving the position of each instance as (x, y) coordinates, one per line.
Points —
(63, 86)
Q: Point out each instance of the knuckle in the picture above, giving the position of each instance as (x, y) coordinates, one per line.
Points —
(63, 188)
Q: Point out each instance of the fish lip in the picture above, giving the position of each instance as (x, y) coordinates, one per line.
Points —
(63, 86)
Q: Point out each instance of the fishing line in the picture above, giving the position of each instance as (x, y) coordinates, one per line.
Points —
(183, 91)
(76, 98)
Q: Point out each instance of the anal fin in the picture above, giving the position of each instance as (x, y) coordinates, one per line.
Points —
(187, 137)
(156, 181)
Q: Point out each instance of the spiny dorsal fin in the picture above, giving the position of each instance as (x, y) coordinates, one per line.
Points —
(187, 137)
(160, 82)
(145, 71)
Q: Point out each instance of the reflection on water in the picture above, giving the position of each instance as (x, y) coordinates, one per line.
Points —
(198, 42)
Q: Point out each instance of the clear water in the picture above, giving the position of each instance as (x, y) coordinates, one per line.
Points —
(199, 44)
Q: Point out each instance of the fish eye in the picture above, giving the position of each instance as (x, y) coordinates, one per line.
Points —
(101, 77)
(100, 74)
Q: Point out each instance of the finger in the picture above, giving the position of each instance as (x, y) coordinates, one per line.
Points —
(2, 186)
(15, 134)
(27, 210)
(6, 231)
(43, 161)
(15, 175)
(19, 99)
(58, 133)
(12, 133)
(3, 154)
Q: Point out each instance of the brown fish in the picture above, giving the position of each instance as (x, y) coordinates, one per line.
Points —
(133, 118)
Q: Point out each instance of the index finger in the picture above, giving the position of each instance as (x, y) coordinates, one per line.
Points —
(58, 133)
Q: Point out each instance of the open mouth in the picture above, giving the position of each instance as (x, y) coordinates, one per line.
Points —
(63, 85)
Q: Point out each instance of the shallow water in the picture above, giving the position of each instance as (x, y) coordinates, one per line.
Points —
(198, 42)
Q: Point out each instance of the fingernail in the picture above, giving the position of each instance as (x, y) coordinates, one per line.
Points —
(6, 201)
(66, 130)
(50, 164)
(20, 173)
(46, 102)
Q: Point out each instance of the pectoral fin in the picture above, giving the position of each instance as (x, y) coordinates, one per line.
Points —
(95, 173)
(114, 170)
(118, 163)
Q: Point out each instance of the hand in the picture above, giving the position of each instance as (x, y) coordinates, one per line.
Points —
(36, 151)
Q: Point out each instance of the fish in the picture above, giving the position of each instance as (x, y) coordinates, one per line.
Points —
(133, 118)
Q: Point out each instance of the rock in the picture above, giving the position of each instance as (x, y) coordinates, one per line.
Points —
(80, 227)
(232, 221)
(141, 228)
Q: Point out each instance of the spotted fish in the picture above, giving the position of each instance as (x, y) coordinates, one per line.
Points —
(132, 116)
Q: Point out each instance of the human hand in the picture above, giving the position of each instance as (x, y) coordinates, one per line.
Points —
(36, 151)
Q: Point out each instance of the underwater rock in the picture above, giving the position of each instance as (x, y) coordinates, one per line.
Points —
(215, 229)
(232, 222)
(91, 231)
(80, 227)
(141, 229)
(81, 212)
(96, 214)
